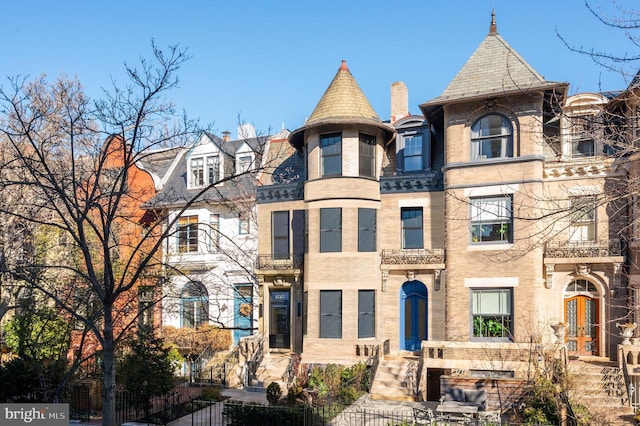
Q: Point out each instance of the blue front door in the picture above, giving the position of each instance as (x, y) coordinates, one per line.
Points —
(242, 312)
(413, 315)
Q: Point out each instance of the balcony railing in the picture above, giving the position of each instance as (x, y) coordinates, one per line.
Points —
(269, 263)
(413, 257)
(569, 249)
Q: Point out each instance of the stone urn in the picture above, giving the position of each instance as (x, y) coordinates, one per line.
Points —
(559, 330)
(626, 331)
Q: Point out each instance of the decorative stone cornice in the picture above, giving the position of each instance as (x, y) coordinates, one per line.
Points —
(584, 167)
(413, 257)
(422, 182)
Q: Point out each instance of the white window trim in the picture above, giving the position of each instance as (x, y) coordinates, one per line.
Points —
(494, 282)
(205, 169)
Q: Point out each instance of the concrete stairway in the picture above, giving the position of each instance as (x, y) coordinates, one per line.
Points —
(395, 380)
(216, 369)
(272, 369)
(600, 387)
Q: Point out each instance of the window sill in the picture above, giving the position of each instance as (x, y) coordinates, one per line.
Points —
(489, 246)
(492, 339)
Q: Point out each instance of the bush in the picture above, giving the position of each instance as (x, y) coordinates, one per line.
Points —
(293, 394)
(348, 394)
(238, 414)
(211, 393)
(273, 393)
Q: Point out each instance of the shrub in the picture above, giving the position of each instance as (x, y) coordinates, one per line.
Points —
(293, 394)
(238, 414)
(273, 393)
(211, 393)
(348, 394)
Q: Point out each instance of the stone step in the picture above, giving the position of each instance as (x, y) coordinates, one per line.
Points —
(390, 382)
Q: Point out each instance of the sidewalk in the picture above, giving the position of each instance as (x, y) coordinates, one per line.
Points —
(242, 395)
(365, 403)
(234, 394)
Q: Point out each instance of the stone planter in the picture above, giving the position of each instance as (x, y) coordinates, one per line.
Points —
(626, 331)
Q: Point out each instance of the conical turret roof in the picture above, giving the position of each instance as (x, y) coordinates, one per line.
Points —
(343, 99)
(495, 68)
(342, 102)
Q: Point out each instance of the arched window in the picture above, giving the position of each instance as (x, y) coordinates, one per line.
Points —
(194, 305)
(491, 137)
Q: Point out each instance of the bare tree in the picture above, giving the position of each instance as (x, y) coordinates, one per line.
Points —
(621, 57)
(58, 149)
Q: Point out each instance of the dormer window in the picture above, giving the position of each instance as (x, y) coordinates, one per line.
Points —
(199, 174)
(582, 136)
(244, 162)
(491, 137)
(413, 158)
(413, 144)
(213, 169)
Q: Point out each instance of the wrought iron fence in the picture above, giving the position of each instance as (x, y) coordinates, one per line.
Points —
(158, 410)
(80, 402)
(234, 413)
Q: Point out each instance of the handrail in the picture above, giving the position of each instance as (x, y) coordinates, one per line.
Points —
(290, 373)
(372, 361)
(252, 350)
(625, 372)
(419, 373)
(410, 377)
(201, 361)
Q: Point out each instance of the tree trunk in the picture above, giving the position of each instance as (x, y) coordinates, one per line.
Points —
(109, 371)
(108, 389)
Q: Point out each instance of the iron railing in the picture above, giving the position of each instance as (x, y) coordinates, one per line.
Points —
(269, 262)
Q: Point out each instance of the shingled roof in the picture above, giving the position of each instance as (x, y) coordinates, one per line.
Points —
(342, 102)
(495, 68)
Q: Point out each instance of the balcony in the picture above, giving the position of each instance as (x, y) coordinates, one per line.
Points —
(423, 258)
(607, 251)
(266, 263)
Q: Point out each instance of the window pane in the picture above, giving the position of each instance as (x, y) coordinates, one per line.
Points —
(366, 313)
(214, 237)
(330, 313)
(413, 153)
(194, 305)
(491, 311)
(331, 153)
(330, 230)
(280, 229)
(583, 215)
(197, 172)
(188, 234)
(367, 155)
(213, 167)
(491, 219)
(412, 235)
(366, 230)
(491, 137)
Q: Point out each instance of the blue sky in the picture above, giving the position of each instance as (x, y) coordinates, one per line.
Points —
(270, 61)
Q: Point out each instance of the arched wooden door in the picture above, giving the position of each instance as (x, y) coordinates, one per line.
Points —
(582, 318)
(413, 315)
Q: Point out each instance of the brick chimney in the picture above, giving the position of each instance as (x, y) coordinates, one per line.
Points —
(226, 135)
(399, 101)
